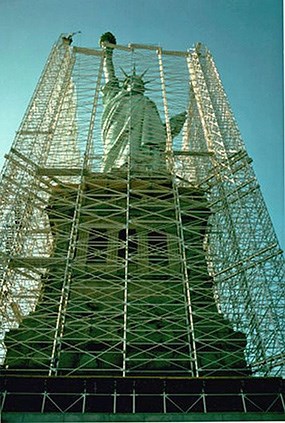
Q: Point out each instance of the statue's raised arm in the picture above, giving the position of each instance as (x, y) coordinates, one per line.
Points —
(109, 70)
(133, 132)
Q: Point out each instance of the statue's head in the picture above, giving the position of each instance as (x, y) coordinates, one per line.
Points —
(134, 83)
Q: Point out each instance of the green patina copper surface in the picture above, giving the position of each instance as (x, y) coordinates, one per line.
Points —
(132, 128)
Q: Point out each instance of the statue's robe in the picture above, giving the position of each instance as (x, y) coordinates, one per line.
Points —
(132, 130)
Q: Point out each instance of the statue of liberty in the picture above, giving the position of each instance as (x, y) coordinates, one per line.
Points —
(131, 125)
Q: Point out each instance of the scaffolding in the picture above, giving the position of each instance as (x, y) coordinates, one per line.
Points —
(136, 271)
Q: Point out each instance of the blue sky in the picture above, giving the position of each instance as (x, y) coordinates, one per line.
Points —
(245, 37)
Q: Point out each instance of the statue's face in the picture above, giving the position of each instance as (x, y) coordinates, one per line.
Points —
(134, 84)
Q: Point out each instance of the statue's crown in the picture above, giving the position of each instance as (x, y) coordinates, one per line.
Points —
(134, 82)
